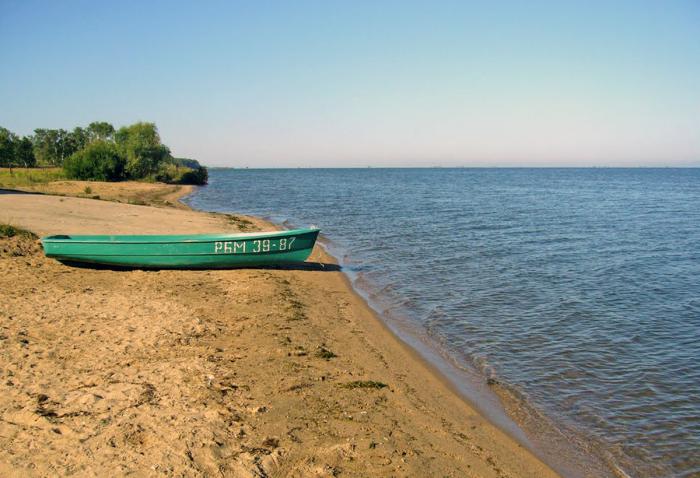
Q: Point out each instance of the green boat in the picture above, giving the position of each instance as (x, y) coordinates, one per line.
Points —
(192, 251)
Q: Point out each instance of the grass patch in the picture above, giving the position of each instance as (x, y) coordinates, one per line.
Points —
(11, 231)
(242, 223)
(295, 307)
(18, 177)
(324, 353)
(297, 310)
(364, 384)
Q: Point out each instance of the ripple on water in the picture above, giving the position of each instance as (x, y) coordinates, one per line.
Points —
(577, 289)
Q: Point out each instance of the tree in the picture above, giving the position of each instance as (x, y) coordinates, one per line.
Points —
(99, 161)
(46, 146)
(42, 146)
(15, 151)
(134, 151)
(64, 146)
(24, 153)
(141, 145)
(52, 146)
(77, 139)
(100, 130)
(7, 147)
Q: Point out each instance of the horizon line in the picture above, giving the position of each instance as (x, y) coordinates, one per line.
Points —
(694, 166)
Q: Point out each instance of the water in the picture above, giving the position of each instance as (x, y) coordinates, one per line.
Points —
(577, 289)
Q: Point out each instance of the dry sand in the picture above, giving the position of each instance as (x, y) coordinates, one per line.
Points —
(251, 372)
(130, 192)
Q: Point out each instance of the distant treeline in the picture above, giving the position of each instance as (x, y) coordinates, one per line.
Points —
(101, 152)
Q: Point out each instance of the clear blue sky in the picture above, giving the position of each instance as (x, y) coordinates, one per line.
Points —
(354, 83)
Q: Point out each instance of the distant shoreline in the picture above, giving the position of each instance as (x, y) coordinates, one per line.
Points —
(239, 168)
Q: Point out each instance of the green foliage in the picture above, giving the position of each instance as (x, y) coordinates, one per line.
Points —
(324, 353)
(364, 384)
(100, 130)
(44, 145)
(168, 173)
(52, 146)
(20, 177)
(198, 177)
(99, 161)
(7, 147)
(173, 174)
(98, 151)
(186, 162)
(7, 230)
(15, 151)
(141, 145)
(77, 139)
(24, 153)
(243, 224)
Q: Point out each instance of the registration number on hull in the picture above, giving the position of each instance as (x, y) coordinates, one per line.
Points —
(253, 247)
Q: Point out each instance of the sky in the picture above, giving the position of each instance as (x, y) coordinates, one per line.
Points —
(366, 83)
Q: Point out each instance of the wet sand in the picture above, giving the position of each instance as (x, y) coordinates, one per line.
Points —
(251, 372)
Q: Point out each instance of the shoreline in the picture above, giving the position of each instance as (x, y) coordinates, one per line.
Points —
(489, 401)
(496, 402)
(566, 450)
(420, 416)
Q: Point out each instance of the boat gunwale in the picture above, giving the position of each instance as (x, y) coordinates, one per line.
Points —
(214, 254)
(175, 238)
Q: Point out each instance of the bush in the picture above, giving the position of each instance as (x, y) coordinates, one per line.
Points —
(99, 161)
(173, 174)
(198, 176)
(168, 173)
(7, 230)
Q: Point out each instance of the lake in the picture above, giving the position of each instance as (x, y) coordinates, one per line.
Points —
(576, 291)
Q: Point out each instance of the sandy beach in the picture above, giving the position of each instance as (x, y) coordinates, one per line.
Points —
(244, 373)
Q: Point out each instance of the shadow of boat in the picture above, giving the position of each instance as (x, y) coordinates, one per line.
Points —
(303, 266)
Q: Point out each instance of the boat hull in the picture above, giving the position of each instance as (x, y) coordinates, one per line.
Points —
(201, 251)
